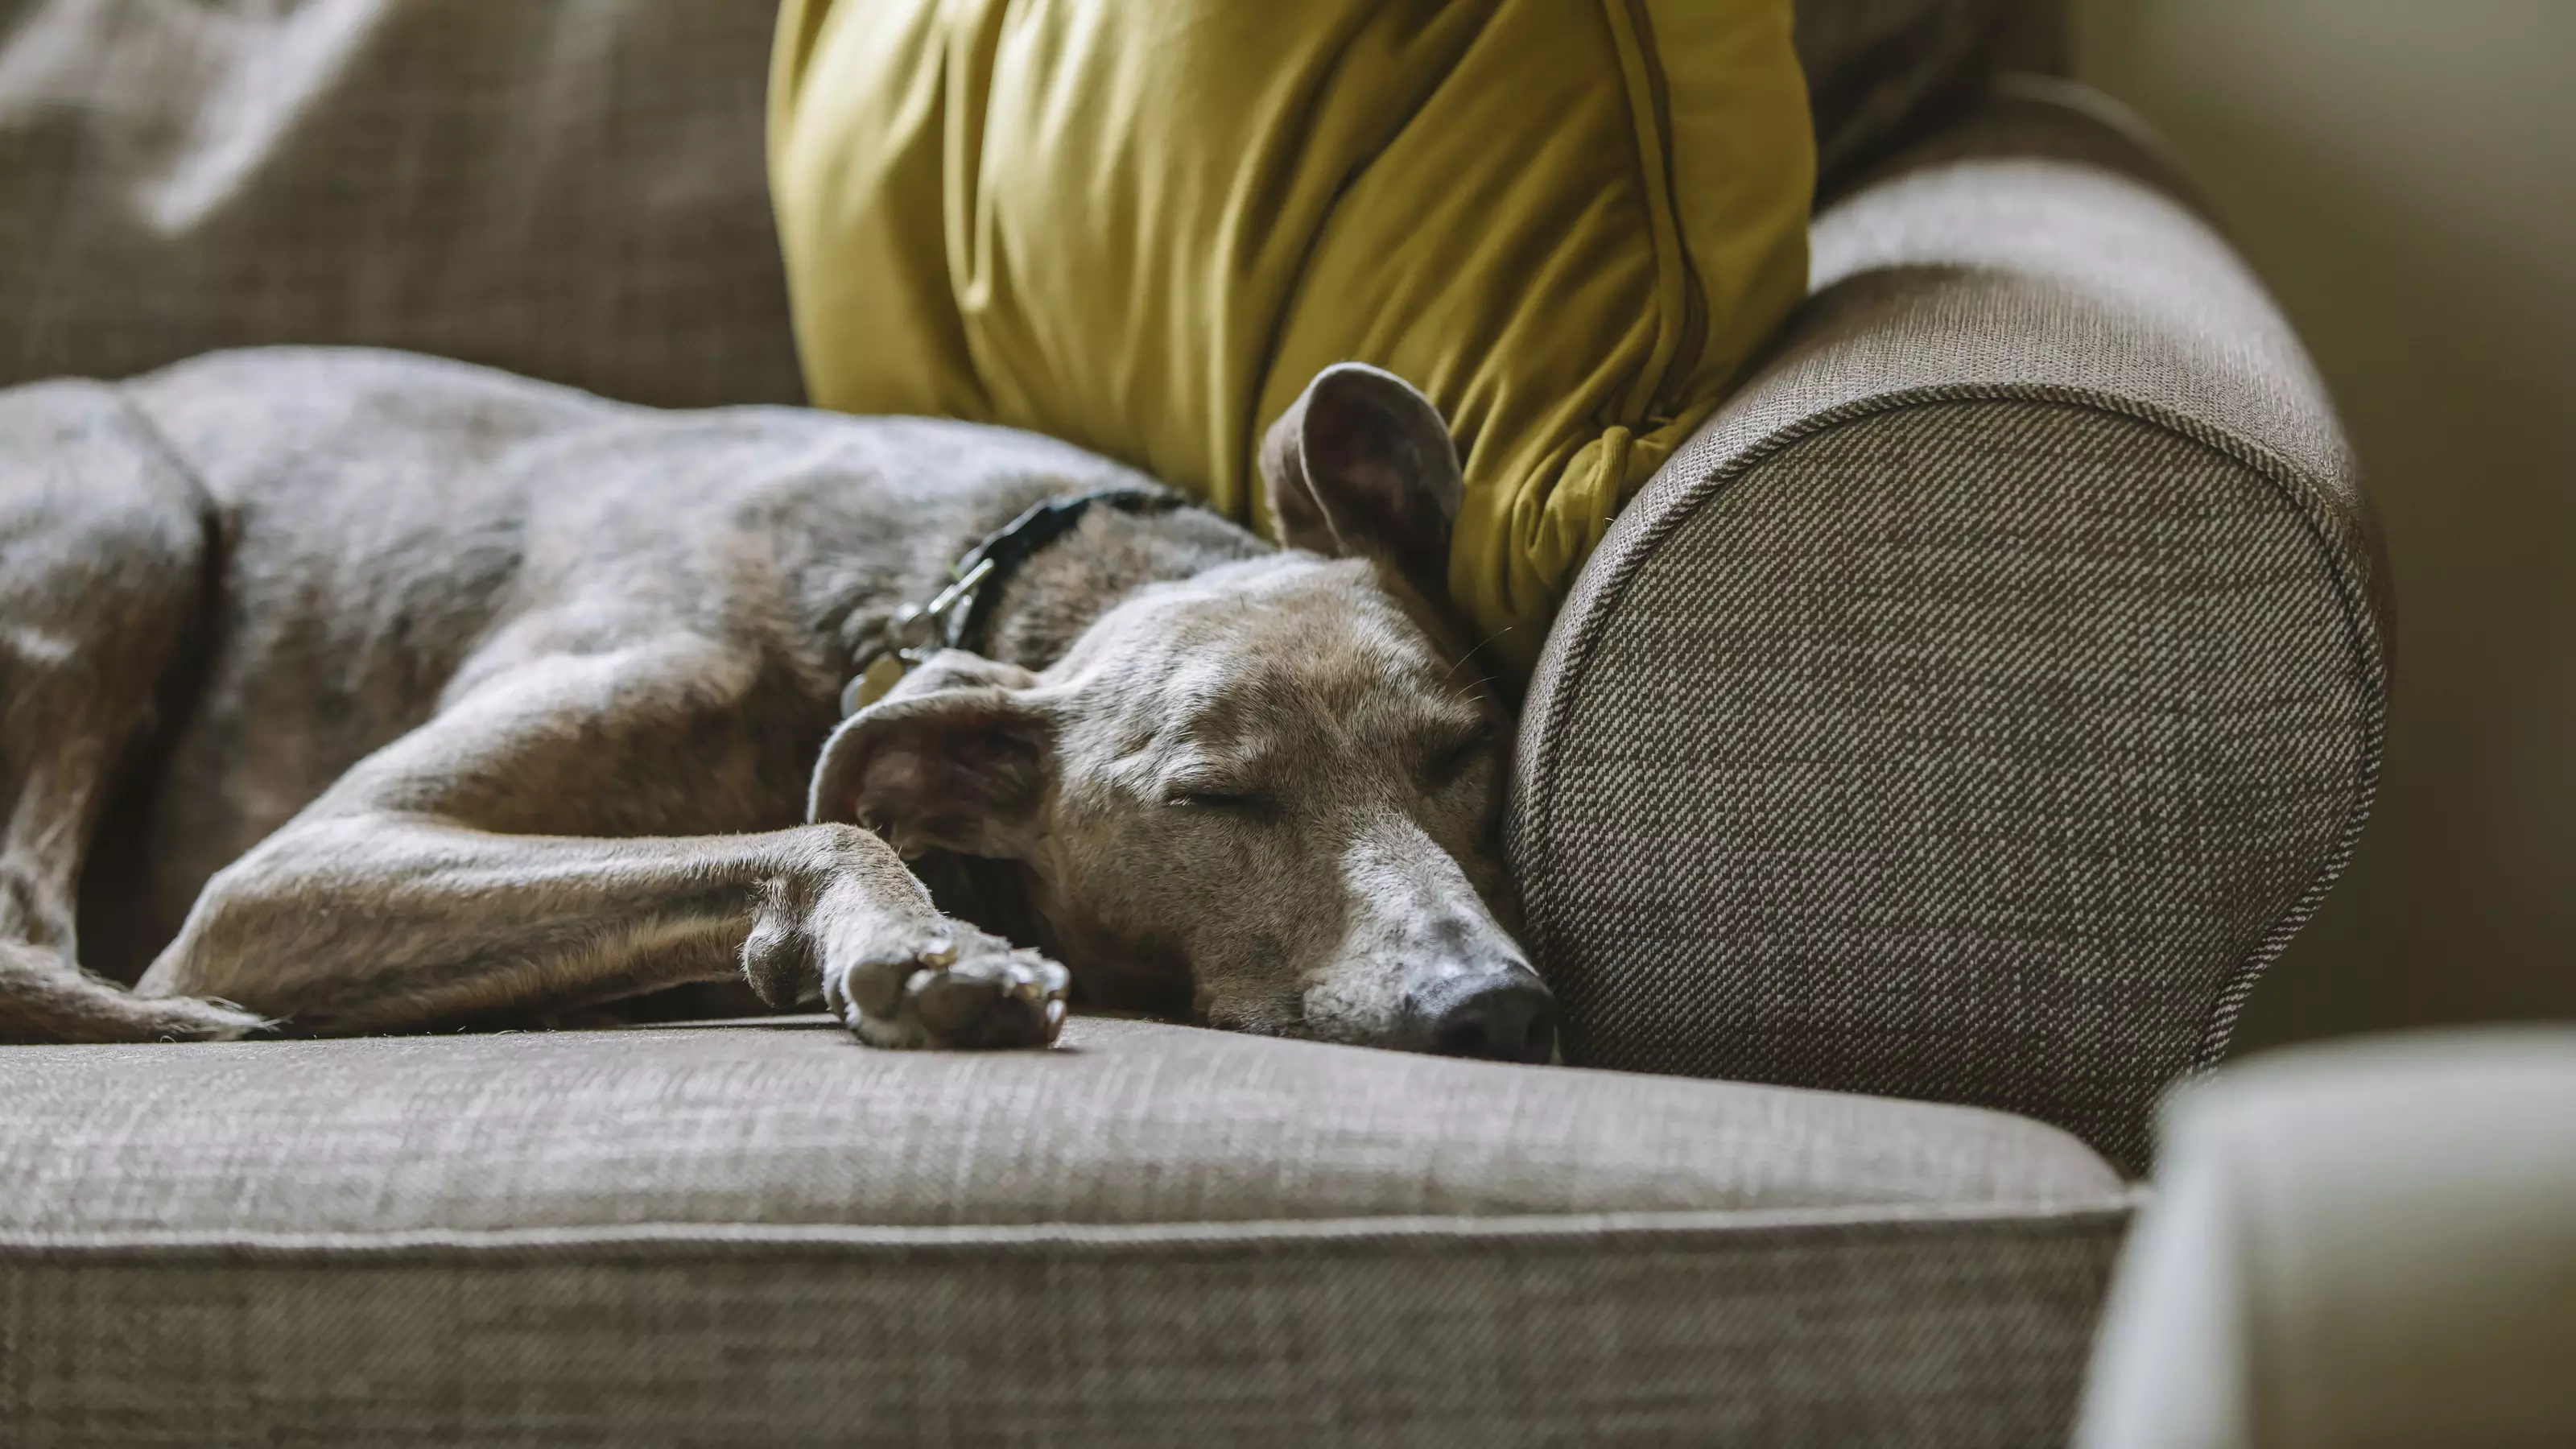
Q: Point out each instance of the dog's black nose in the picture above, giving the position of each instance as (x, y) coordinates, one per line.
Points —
(1507, 1021)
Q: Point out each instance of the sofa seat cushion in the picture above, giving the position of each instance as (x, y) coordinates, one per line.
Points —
(763, 1232)
(792, 1122)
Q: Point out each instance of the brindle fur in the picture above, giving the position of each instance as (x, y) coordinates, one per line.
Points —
(351, 692)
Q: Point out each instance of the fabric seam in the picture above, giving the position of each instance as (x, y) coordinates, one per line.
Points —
(1639, 72)
(1352, 1237)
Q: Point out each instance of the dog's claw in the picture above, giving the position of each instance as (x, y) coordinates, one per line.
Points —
(965, 990)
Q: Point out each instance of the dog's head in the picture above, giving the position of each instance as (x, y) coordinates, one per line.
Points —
(1268, 795)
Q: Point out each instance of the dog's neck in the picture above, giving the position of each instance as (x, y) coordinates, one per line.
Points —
(1059, 591)
(1041, 607)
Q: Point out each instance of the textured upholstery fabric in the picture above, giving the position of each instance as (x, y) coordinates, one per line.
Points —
(2360, 1244)
(1130, 1123)
(573, 192)
(2027, 117)
(1981, 700)
(1878, 69)
(1963, 1330)
(1150, 1235)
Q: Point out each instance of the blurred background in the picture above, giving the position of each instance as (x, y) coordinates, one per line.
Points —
(2403, 176)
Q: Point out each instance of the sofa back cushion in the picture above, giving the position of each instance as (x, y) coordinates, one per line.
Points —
(569, 191)
(1878, 71)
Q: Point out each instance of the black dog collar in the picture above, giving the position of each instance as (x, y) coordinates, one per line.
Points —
(954, 617)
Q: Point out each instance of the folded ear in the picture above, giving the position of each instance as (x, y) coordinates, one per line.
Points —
(957, 756)
(1362, 464)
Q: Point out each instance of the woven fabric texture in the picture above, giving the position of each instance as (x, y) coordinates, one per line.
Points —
(1984, 696)
(1930, 1330)
(1153, 1235)
(572, 192)
(1130, 1123)
(1877, 70)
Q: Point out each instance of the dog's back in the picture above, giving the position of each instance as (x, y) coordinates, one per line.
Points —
(381, 528)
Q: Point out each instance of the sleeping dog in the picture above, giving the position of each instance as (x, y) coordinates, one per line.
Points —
(345, 691)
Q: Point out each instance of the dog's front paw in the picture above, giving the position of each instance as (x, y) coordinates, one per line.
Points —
(962, 988)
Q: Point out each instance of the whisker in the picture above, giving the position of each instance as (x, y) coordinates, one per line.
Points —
(1481, 643)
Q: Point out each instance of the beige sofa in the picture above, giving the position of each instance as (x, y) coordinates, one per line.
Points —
(1916, 782)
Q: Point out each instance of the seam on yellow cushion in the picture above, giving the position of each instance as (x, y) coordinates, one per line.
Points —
(1552, 526)
(1672, 278)
(1725, 153)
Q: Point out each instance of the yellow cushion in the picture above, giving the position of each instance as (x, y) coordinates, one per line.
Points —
(1142, 227)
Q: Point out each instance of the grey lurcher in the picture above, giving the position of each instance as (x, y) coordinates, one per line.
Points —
(346, 691)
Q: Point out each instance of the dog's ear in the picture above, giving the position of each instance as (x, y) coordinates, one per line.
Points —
(955, 757)
(1363, 464)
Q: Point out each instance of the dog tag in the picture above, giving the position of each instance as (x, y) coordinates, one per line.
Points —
(871, 683)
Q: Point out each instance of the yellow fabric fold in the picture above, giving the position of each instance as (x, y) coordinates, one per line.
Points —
(1143, 228)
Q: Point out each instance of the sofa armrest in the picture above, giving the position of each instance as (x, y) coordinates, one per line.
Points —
(1983, 698)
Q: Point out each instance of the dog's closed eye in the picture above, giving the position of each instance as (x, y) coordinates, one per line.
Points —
(1217, 797)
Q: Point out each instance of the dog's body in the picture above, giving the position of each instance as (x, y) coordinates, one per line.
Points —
(424, 696)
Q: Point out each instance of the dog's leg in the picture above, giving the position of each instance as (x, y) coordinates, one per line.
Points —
(102, 568)
(470, 868)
